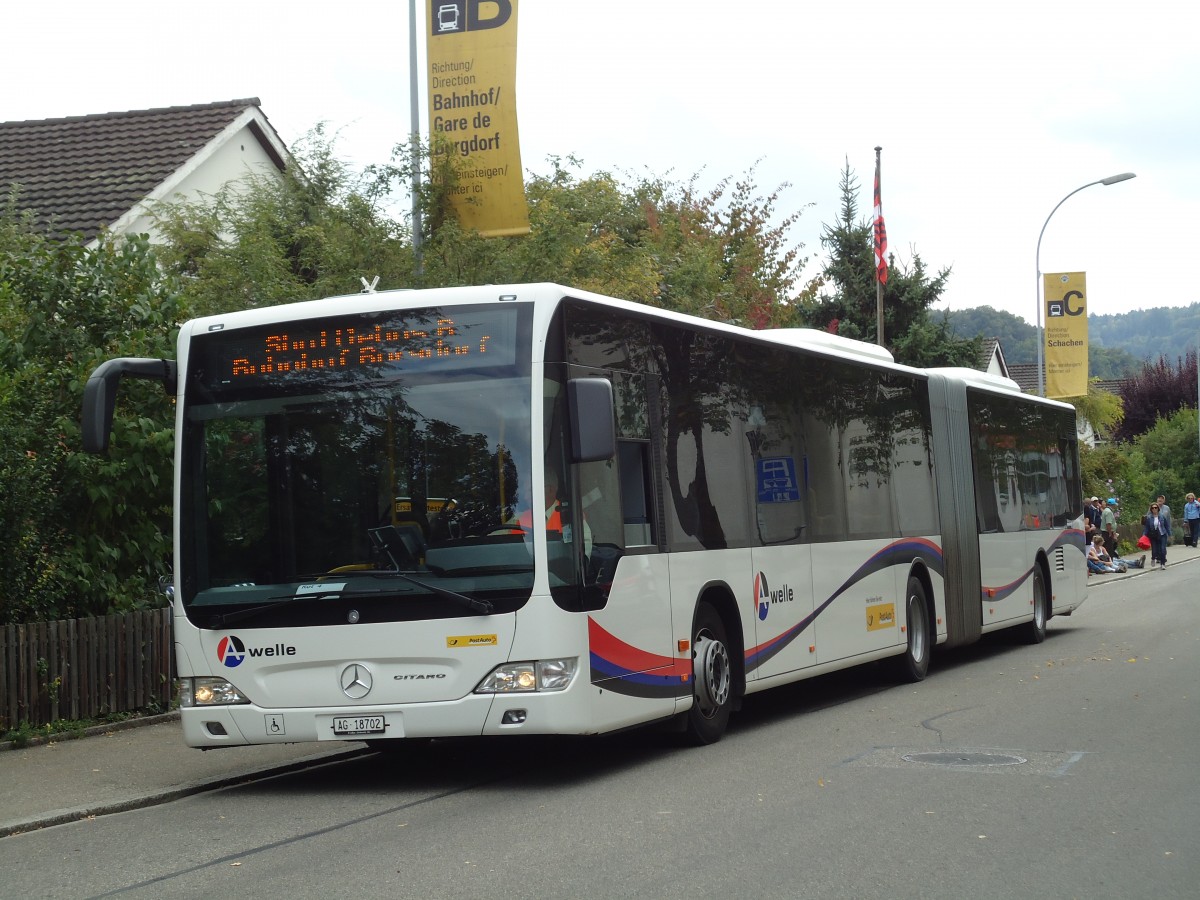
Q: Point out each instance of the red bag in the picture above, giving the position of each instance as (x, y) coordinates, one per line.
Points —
(1143, 543)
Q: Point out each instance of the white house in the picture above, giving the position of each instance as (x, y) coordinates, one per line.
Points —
(83, 174)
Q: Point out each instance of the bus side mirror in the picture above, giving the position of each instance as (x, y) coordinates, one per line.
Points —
(100, 394)
(590, 409)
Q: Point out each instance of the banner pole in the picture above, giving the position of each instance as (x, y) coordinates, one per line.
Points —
(414, 104)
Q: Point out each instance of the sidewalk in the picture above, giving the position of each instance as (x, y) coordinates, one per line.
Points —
(120, 767)
(1176, 553)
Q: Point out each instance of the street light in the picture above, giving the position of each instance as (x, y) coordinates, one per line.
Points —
(1111, 179)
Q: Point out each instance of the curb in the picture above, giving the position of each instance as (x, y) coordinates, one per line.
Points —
(92, 731)
(259, 773)
(1110, 577)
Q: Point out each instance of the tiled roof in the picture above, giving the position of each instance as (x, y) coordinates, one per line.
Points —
(81, 173)
(990, 349)
(1113, 385)
(987, 349)
(1024, 374)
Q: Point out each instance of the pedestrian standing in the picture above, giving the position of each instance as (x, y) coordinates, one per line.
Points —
(1108, 526)
(1089, 523)
(1165, 512)
(1091, 513)
(1191, 521)
(1157, 528)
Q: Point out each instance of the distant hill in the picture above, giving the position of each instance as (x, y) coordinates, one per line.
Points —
(1118, 345)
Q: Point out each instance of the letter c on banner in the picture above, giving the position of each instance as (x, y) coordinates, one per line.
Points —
(1073, 310)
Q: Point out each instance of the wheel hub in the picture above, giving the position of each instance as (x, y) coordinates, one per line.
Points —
(712, 673)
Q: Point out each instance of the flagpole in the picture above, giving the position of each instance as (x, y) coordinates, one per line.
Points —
(877, 231)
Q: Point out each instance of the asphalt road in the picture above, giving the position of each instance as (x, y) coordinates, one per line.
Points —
(1065, 769)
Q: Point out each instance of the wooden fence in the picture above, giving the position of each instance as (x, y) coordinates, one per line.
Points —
(85, 668)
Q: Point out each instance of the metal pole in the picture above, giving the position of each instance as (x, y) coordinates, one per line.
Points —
(414, 105)
(1111, 179)
(878, 283)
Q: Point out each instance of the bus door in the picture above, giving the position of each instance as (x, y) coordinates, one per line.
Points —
(781, 594)
(626, 591)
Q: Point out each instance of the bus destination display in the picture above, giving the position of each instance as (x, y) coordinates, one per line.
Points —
(360, 346)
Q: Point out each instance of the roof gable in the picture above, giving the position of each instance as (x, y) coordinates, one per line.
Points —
(991, 357)
(81, 173)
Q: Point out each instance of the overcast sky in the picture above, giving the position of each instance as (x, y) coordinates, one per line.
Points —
(988, 114)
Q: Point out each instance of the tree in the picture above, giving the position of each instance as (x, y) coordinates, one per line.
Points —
(1016, 336)
(1157, 392)
(315, 232)
(80, 535)
(849, 308)
(1100, 408)
(1111, 363)
(1172, 463)
(722, 253)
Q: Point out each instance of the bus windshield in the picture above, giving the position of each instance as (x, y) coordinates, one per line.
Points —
(390, 488)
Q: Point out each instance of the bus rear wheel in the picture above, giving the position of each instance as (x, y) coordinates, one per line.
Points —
(1034, 631)
(913, 665)
(712, 678)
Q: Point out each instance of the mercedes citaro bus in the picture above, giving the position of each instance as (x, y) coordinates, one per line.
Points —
(528, 509)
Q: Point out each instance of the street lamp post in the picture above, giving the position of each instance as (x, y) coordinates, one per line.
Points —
(1111, 179)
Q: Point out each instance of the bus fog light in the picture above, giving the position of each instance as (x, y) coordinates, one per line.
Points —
(513, 717)
(522, 677)
(209, 692)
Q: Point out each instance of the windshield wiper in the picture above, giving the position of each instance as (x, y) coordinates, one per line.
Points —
(471, 603)
(397, 546)
(241, 615)
(463, 571)
(285, 600)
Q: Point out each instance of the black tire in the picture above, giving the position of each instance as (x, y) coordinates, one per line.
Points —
(712, 682)
(1034, 631)
(913, 664)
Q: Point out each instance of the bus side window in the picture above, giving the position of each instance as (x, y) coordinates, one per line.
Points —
(633, 457)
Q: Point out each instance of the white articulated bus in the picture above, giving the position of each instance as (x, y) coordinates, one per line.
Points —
(528, 509)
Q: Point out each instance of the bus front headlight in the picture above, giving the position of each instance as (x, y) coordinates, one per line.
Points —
(208, 692)
(526, 677)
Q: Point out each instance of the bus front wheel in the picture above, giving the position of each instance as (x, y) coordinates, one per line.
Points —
(712, 678)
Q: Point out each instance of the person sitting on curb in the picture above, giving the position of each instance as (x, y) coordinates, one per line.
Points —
(1117, 562)
(1098, 560)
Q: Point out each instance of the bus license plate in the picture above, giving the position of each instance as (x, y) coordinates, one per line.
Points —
(347, 725)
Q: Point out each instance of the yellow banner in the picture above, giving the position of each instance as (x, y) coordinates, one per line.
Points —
(1066, 334)
(472, 58)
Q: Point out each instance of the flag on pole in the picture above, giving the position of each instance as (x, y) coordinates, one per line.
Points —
(880, 231)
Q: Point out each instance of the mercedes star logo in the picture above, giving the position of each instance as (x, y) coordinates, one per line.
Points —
(356, 681)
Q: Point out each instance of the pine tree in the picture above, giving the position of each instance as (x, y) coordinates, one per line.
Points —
(912, 334)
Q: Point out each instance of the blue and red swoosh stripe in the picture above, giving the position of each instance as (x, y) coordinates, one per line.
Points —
(625, 669)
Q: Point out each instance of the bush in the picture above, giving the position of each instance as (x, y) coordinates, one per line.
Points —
(80, 535)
